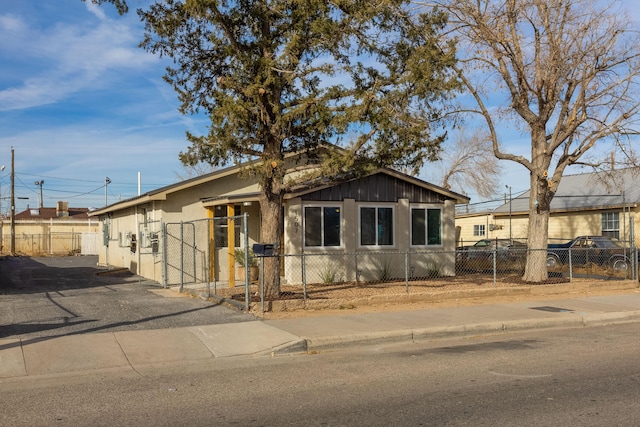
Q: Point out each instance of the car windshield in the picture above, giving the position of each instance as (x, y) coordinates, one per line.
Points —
(482, 243)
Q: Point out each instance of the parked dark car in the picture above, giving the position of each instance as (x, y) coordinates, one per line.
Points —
(605, 251)
(509, 254)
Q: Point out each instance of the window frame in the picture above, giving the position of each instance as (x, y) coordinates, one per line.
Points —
(426, 208)
(377, 207)
(608, 231)
(479, 230)
(221, 227)
(322, 207)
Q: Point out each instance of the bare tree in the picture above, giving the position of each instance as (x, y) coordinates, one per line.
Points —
(566, 72)
(192, 171)
(470, 164)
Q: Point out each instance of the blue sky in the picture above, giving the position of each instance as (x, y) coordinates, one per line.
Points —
(79, 102)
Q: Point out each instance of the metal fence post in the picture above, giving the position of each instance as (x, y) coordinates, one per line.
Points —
(634, 250)
(494, 254)
(570, 266)
(207, 258)
(195, 255)
(213, 265)
(304, 277)
(181, 256)
(165, 255)
(247, 269)
(406, 271)
(262, 284)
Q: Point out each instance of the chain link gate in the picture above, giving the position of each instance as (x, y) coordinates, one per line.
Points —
(186, 251)
(197, 252)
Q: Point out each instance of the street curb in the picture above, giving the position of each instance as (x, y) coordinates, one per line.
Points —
(367, 338)
(461, 331)
(603, 319)
(295, 347)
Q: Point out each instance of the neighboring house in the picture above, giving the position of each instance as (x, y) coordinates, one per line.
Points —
(604, 203)
(174, 233)
(51, 231)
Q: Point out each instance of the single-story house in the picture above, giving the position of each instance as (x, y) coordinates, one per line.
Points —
(188, 231)
(597, 203)
(60, 230)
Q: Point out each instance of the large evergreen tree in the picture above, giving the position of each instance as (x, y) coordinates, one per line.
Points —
(287, 76)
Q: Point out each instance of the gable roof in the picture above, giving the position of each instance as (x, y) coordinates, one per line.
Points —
(444, 193)
(252, 193)
(587, 191)
(162, 192)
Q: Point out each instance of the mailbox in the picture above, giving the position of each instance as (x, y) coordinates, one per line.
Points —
(263, 249)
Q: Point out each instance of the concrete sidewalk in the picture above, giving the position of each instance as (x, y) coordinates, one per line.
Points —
(86, 353)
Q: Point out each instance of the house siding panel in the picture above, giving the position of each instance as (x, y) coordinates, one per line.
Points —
(376, 188)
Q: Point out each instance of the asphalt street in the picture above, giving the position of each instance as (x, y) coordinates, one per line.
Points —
(60, 296)
(560, 377)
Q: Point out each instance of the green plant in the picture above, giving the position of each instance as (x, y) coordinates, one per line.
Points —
(433, 270)
(384, 270)
(238, 256)
(330, 274)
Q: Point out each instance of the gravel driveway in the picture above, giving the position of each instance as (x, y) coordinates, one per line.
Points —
(48, 297)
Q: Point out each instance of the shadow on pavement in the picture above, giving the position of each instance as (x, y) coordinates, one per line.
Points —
(54, 297)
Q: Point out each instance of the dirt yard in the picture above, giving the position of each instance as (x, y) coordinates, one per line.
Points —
(343, 298)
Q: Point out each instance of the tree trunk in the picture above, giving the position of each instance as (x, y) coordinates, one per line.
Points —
(271, 232)
(539, 209)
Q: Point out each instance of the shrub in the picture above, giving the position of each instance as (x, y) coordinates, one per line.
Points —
(238, 256)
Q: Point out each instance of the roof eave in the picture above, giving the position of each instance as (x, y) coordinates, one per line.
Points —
(136, 201)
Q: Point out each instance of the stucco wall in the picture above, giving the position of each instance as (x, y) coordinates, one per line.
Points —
(350, 262)
(180, 207)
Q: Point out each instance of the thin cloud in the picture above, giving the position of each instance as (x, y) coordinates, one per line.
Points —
(72, 57)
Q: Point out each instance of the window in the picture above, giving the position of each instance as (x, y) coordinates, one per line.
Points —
(426, 227)
(322, 226)
(221, 228)
(478, 230)
(611, 224)
(376, 226)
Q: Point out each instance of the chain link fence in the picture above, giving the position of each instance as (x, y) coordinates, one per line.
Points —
(197, 255)
(416, 270)
(369, 267)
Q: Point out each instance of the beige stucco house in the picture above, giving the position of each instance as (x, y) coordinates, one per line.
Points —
(188, 231)
(585, 204)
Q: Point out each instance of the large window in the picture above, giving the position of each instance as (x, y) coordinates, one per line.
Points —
(611, 224)
(478, 230)
(221, 227)
(426, 226)
(376, 226)
(322, 226)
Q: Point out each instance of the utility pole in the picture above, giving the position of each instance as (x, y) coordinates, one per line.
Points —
(107, 181)
(1, 170)
(13, 207)
(40, 184)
